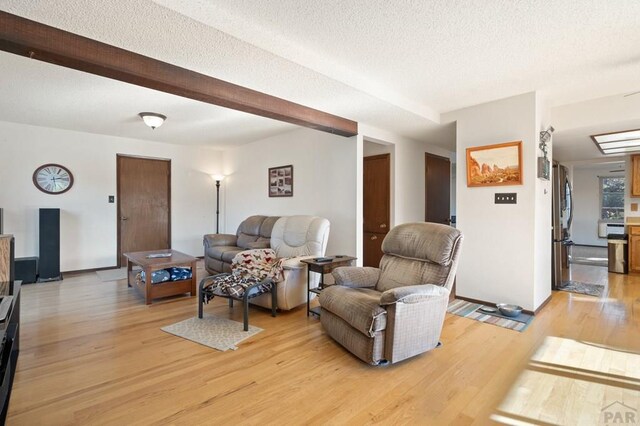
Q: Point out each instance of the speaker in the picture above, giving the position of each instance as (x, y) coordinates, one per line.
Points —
(49, 267)
(26, 269)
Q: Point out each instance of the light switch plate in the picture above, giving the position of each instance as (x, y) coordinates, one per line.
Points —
(112, 199)
(506, 198)
(634, 207)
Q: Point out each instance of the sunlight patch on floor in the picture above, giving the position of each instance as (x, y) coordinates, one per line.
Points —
(571, 382)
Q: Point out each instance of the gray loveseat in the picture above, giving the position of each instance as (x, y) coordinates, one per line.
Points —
(219, 249)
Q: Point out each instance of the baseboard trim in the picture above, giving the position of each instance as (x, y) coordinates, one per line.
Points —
(483, 302)
(547, 300)
(104, 268)
(588, 245)
(79, 271)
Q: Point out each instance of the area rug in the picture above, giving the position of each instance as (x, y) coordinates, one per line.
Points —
(112, 274)
(217, 333)
(470, 310)
(583, 288)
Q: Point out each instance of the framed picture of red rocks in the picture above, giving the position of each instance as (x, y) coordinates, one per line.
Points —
(495, 165)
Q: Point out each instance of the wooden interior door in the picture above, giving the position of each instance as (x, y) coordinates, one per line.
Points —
(377, 204)
(144, 204)
(437, 183)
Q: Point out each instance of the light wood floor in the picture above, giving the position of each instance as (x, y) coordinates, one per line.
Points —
(93, 353)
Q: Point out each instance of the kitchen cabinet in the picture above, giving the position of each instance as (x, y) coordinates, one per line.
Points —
(635, 175)
(634, 248)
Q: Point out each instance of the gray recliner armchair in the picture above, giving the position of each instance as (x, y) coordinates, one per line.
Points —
(397, 311)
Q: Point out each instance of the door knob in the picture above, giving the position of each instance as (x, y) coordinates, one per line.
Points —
(124, 218)
(383, 225)
(374, 237)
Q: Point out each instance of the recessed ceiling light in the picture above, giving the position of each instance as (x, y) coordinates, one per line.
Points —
(618, 142)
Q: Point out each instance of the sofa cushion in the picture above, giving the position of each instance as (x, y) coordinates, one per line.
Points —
(228, 256)
(399, 272)
(249, 230)
(214, 266)
(216, 252)
(244, 240)
(267, 227)
(264, 244)
(359, 307)
(293, 236)
(407, 241)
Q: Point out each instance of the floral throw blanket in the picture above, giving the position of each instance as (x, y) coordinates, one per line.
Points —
(248, 268)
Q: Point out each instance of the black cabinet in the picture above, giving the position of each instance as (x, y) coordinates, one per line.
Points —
(10, 328)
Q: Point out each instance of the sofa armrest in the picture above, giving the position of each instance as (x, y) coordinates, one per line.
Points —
(415, 316)
(295, 262)
(259, 245)
(355, 276)
(212, 240)
(413, 294)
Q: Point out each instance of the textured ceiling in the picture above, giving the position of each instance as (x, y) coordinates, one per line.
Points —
(74, 100)
(446, 54)
(394, 65)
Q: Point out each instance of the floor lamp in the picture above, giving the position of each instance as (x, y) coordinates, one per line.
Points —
(217, 179)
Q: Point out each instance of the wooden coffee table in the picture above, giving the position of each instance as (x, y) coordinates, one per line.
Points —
(168, 288)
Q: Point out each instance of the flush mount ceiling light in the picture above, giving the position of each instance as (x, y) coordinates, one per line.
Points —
(152, 119)
(618, 142)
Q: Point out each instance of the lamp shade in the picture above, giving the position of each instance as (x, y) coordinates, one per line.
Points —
(217, 178)
(152, 119)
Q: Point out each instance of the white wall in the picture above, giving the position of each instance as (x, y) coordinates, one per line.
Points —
(506, 252)
(543, 205)
(374, 148)
(88, 221)
(586, 203)
(325, 176)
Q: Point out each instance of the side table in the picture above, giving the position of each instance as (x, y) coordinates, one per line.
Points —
(323, 268)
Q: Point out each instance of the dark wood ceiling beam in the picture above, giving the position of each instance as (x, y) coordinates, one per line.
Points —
(42, 42)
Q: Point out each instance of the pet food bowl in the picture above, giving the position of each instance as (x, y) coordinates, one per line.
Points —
(509, 310)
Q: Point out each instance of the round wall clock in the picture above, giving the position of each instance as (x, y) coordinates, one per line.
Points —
(53, 179)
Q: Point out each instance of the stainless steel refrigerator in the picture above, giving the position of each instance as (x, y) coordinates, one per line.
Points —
(562, 214)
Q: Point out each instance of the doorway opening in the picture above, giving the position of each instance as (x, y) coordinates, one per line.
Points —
(437, 189)
(588, 223)
(377, 175)
(598, 213)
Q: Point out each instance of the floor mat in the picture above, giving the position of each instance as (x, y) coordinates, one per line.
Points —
(583, 288)
(217, 333)
(466, 309)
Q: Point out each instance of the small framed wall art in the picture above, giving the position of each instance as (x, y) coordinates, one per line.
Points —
(495, 165)
(281, 181)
